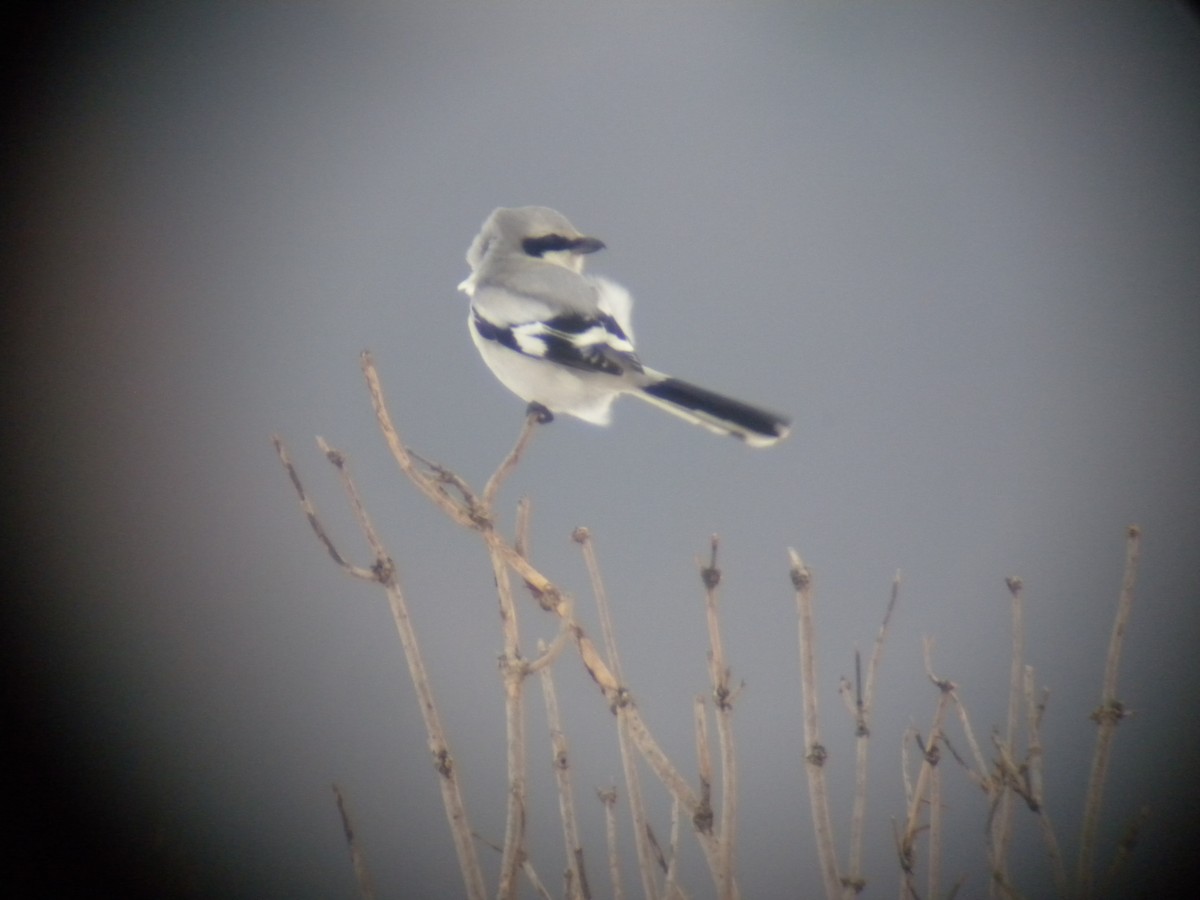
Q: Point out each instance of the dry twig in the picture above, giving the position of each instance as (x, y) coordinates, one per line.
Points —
(608, 797)
(365, 888)
(1109, 714)
(577, 874)
(722, 695)
(862, 708)
(818, 789)
(633, 779)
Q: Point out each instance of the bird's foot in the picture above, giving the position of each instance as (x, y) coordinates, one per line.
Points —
(540, 413)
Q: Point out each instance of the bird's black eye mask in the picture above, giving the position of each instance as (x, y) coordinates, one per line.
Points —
(552, 243)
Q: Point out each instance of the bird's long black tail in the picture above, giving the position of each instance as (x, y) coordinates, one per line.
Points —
(716, 412)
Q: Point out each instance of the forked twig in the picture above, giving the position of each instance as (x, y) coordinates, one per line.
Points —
(384, 573)
(314, 521)
(931, 756)
(462, 513)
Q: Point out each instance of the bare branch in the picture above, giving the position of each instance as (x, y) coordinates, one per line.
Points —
(815, 757)
(1034, 710)
(671, 889)
(513, 671)
(633, 781)
(310, 511)
(608, 633)
(521, 532)
(1109, 714)
(847, 690)
(534, 880)
(1002, 830)
(710, 575)
(445, 476)
(547, 656)
(608, 797)
(578, 883)
(365, 888)
(868, 695)
(931, 755)
(703, 818)
(935, 831)
(509, 463)
(907, 739)
(864, 706)
(431, 487)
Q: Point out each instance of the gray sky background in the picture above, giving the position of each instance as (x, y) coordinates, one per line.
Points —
(956, 243)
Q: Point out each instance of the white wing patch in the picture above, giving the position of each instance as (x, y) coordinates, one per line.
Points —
(531, 338)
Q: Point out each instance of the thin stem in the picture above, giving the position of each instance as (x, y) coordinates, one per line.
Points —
(935, 830)
(864, 707)
(609, 798)
(815, 757)
(534, 880)
(513, 671)
(587, 546)
(562, 777)
(633, 780)
(509, 463)
(1109, 714)
(931, 751)
(671, 888)
(1002, 829)
(1034, 755)
(980, 773)
(703, 818)
(723, 702)
(365, 888)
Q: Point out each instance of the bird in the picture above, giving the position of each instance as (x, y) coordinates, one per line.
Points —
(563, 341)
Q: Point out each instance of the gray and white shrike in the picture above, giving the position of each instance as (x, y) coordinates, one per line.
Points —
(562, 340)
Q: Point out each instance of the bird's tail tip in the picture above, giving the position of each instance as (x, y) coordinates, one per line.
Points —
(755, 426)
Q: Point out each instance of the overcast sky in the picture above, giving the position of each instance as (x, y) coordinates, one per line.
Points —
(957, 244)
